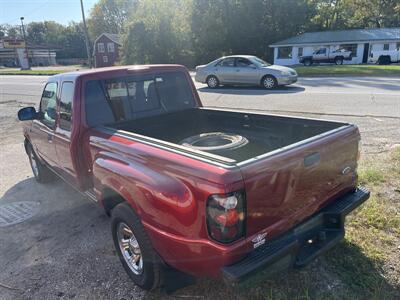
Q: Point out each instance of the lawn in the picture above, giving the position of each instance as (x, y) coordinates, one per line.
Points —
(31, 72)
(349, 70)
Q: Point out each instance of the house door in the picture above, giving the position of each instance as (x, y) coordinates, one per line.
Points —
(365, 54)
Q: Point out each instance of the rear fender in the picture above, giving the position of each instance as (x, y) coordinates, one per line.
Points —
(159, 198)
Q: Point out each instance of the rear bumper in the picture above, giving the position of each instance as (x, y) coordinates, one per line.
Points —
(300, 245)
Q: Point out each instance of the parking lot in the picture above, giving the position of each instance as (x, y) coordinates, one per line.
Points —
(66, 251)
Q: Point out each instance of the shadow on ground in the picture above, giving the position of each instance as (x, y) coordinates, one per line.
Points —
(251, 90)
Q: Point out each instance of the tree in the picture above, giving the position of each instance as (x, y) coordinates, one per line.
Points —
(110, 16)
(159, 32)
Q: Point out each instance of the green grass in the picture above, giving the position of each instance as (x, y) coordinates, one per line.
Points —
(371, 176)
(353, 70)
(31, 72)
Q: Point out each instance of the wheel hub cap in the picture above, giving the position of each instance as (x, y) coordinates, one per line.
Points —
(268, 82)
(130, 248)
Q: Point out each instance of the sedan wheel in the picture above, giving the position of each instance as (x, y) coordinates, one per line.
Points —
(212, 82)
(269, 82)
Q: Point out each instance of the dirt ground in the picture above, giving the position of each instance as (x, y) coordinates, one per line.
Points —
(66, 250)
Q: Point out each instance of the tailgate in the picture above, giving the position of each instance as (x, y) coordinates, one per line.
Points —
(287, 187)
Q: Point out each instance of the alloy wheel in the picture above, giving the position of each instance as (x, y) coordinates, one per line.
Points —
(269, 82)
(130, 248)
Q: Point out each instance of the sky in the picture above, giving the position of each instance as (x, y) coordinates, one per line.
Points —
(61, 11)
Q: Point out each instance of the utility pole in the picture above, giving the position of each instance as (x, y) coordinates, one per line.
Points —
(26, 43)
(86, 36)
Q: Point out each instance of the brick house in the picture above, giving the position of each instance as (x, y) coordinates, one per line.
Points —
(106, 49)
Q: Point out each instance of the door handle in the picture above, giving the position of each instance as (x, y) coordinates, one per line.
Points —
(50, 138)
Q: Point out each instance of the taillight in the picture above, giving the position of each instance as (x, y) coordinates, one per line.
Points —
(226, 217)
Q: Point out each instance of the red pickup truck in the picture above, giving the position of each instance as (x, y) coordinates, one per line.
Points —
(199, 191)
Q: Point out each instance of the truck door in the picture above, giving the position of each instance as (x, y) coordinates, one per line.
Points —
(321, 55)
(62, 135)
(42, 133)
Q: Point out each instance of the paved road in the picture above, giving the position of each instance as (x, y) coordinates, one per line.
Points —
(353, 96)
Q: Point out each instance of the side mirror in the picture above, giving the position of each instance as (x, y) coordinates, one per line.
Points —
(27, 113)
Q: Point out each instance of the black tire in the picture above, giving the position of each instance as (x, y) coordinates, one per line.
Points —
(41, 173)
(269, 82)
(212, 82)
(151, 274)
(307, 62)
(384, 60)
(339, 60)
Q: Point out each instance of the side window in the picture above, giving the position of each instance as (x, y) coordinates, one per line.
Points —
(242, 62)
(67, 93)
(100, 47)
(110, 47)
(228, 62)
(48, 104)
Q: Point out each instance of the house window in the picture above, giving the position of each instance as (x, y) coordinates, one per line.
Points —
(110, 47)
(385, 47)
(300, 52)
(398, 46)
(285, 52)
(350, 47)
(100, 47)
(105, 58)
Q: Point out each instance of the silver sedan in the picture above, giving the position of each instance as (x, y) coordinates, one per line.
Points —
(244, 70)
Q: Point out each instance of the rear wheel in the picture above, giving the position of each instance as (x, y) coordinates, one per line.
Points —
(41, 173)
(134, 248)
(212, 82)
(384, 60)
(269, 82)
(307, 62)
(339, 60)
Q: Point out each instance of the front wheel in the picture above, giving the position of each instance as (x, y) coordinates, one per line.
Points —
(41, 173)
(307, 62)
(269, 82)
(134, 248)
(339, 60)
(212, 82)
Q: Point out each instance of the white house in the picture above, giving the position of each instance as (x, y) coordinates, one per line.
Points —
(360, 41)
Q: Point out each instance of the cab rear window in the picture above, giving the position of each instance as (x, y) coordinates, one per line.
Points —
(122, 99)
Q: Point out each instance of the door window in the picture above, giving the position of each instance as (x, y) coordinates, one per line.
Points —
(243, 62)
(228, 62)
(48, 104)
(67, 93)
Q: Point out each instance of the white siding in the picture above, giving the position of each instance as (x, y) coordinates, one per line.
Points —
(308, 50)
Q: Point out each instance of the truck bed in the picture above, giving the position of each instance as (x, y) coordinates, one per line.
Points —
(265, 133)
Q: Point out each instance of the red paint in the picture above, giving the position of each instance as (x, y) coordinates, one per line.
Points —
(169, 190)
